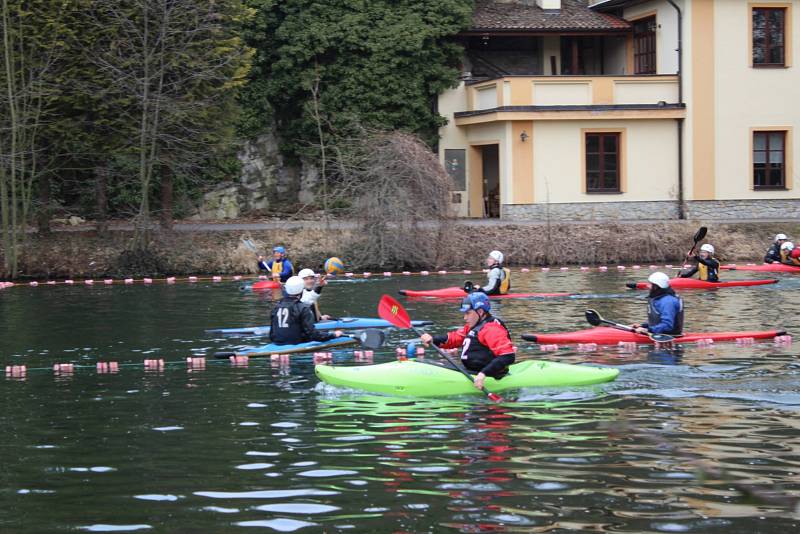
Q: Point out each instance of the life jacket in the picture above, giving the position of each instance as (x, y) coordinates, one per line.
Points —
(474, 354)
(706, 273)
(654, 317)
(277, 267)
(286, 327)
(505, 280)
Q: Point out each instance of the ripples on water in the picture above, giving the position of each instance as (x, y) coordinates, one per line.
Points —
(267, 446)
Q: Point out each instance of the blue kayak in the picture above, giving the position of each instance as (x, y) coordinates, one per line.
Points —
(272, 348)
(342, 323)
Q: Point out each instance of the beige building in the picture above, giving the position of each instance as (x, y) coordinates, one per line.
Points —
(656, 109)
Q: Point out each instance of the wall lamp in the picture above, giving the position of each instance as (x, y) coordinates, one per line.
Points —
(523, 136)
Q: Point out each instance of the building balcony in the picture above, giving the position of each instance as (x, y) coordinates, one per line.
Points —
(565, 97)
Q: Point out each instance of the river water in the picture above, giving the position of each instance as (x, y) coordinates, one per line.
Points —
(664, 448)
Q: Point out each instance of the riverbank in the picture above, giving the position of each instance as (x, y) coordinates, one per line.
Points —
(218, 249)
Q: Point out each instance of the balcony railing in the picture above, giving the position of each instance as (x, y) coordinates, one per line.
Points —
(572, 91)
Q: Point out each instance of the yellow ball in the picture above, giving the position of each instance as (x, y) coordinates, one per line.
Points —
(334, 266)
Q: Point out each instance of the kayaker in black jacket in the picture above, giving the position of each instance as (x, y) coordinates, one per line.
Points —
(707, 266)
(773, 255)
(293, 321)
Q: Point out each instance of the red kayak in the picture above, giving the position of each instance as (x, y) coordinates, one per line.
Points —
(602, 335)
(694, 283)
(457, 292)
(266, 284)
(764, 267)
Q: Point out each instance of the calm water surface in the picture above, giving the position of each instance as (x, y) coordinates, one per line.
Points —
(267, 446)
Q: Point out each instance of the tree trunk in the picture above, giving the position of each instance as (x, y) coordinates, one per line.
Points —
(101, 196)
(166, 197)
(44, 212)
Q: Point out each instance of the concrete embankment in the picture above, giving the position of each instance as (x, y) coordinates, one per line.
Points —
(218, 248)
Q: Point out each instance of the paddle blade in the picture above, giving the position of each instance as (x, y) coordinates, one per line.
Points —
(662, 338)
(593, 317)
(700, 234)
(249, 244)
(372, 338)
(391, 310)
(494, 397)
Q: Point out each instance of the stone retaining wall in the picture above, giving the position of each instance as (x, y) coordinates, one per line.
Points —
(655, 211)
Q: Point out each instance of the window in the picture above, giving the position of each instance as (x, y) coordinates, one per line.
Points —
(769, 160)
(769, 37)
(644, 46)
(602, 163)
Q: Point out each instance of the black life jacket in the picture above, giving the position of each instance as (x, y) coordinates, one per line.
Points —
(654, 317)
(474, 354)
(286, 327)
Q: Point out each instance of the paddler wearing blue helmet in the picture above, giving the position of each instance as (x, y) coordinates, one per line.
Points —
(279, 266)
(486, 348)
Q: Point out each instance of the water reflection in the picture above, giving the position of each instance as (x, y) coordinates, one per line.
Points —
(266, 446)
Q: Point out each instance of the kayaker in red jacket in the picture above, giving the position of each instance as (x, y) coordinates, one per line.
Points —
(486, 347)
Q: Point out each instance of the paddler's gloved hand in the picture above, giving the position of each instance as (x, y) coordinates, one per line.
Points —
(468, 286)
(338, 333)
(426, 339)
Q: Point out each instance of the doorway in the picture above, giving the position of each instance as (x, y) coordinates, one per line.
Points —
(491, 180)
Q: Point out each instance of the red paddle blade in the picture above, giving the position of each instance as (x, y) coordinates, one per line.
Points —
(391, 310)
(494, 397)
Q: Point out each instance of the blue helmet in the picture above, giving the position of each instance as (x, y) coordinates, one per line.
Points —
(476, 301)
(279, 250)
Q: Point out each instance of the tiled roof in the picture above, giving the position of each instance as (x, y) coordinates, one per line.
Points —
(574, 15)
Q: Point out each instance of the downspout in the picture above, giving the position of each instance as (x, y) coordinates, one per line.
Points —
(679, 122)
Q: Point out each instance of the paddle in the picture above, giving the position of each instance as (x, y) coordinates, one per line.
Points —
(391, 310)
(369, 339)
(595, 319)
(698, 236)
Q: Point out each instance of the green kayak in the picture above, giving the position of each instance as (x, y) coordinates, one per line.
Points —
(423, 379)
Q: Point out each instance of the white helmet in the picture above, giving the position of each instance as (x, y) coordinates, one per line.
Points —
(294, 285)
(781, 237)
(659, 279)
(788, 246)
(305, 273)
(708, 248)
(496, 255)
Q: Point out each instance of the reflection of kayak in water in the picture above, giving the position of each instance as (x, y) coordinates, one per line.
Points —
(342, 323)
(766, 267)
(429, 379)
(611, 336)
(694, 283)
(457, 292)
(272, 348)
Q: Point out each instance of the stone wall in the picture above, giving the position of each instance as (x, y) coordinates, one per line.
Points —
(591, 211)
(781, 209)
(266, 182)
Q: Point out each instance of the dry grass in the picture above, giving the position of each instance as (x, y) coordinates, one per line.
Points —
(73, 254)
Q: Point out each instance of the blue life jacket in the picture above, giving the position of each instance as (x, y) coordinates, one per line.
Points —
(665, 314)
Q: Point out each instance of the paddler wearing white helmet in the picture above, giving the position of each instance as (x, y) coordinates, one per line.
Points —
(773, 255)
(790, 254)
(292, 320)
(499, 277)
(312, 289)
(707, 267)
(664, 308)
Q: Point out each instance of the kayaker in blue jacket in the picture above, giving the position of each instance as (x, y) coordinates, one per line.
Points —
(293, 321)
(279, 266)
(664, 309)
